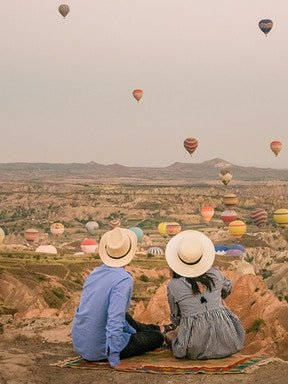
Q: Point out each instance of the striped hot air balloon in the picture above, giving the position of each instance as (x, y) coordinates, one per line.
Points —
(173, 229)
(265, 25)
(114, 223)
(228, 216)
(137, 94)
(276, 147)
(64, 9)
(155, 251)
(190, 145)
(237, 228)
(31, 235)
(207, 213)
(280, 217)
(57, 229)
(162, 228)
(89, 246)
(259, 216)
(230, 200)
(225, 176)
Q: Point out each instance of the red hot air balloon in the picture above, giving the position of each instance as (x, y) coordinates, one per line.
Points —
(207, 213)
(228, 216)
(190, 145)
(64, 9)
(259, 216)
(137, 93)
(276, 147)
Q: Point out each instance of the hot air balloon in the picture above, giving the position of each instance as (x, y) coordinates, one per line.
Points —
(230, 200)
(92, 227)
(220, 249)
(2, 235)
(207, 213)
(31, 235)
(265, 25)
(138, 232)
(259, 216)
(190, 145)
(280, 217)
(237, 228)
(138, 94)
(57, 229)
(46, 249)
(239, 247)
(276, 147)
(162, 228)
(64, 9)
(155, 251)
(173, 228)
(228, 216)
(89, 246)
(114, 223)
(234, 253)
(225, 176)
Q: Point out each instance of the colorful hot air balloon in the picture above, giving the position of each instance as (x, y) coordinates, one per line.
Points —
(230, 200)
(89, 246)
(220, 249)
(190, 145)
(276, 147)
(265, 25)
(57, 229)
(31, 235)
(155, 251)
(173, 228)
(162, 228)
(280, 217)
(64, 9)
(114, 223)
(138, 94)
(259, 216)
(239, 247)
(92, 227)
(207, 213)
(138, 232)
(2, 235)
(237, 228)
(228, 216)
(225, 176)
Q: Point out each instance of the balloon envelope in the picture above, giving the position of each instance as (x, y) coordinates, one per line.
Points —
(2, 235)
(92, 227)
(280, 217)
(207, 213)
(259, 216)
(190, 144)
(265, 25)
(89, 246)
(173, 228)
(162, 228)
(230, 200)
(57, 229)
(154, 251)
(225, 176)
(64, 9)
(228, 216)
(114, 223)
(138, 94)
(31, 235)
(237, 228)
(46, 249)
(138, 232)
(276, 147)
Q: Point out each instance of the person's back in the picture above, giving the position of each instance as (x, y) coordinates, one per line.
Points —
(90, 321)
(207, 329)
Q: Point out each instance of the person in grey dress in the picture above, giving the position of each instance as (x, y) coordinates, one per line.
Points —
(206, 328)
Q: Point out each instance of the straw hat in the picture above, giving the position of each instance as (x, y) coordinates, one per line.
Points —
(117, 247)
(190, 253)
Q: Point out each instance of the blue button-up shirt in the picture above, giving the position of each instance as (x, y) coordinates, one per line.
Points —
(99, 329)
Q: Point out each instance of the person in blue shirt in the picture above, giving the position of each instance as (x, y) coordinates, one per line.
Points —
(102, 329)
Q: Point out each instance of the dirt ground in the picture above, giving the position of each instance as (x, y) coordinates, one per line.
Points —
(25, 360)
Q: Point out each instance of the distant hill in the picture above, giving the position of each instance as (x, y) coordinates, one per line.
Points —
(206, 171)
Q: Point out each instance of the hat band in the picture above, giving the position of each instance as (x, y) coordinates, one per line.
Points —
(119, 257)
(193, 263)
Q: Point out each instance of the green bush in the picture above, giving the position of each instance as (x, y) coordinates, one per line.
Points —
(144, 278)
(256, 325)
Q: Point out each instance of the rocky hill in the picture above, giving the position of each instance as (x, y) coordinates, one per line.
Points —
(204, 172)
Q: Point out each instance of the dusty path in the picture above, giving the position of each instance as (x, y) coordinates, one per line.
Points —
(26, 361)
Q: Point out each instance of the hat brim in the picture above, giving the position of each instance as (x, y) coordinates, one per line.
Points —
(183, 269)
(121, 262)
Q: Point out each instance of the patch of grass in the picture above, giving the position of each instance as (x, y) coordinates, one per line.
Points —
(58, 292)
(256, 325)
(144, 278)
(7, 310)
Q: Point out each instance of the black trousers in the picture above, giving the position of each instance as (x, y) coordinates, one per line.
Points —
(147, 338)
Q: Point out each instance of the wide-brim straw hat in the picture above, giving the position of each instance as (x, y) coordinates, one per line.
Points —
(190, 253)
(117, 247)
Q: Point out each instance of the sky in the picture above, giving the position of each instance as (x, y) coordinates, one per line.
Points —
(206, 69)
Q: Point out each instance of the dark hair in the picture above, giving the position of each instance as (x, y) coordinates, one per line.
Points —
(193, 281)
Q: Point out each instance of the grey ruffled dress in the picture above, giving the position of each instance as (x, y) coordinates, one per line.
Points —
(207, 329)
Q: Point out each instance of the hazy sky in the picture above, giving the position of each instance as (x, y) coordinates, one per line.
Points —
(206, 69)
